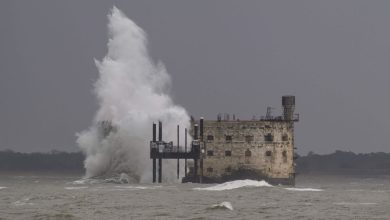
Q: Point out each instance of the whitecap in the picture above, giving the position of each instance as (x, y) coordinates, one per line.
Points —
(236, 184)
(23, 202)
(137, 187)
(80, 181)
(354, 203)
(223, 205)
(3, 187)
(305, 189)
(75, 188)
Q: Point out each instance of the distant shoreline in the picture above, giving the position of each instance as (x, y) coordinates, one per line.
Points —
(72, 163)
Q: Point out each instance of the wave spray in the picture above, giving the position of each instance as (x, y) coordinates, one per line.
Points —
(133, 92)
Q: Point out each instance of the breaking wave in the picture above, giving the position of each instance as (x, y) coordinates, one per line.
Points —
(133, 92)
(236, 184)
(223, 205)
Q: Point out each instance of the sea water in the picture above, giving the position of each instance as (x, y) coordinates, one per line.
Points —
(57, 196)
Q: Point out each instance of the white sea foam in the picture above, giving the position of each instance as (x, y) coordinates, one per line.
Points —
(3, 187)
(305, 189)
(354, 203)
(133, 92)
(236, 184)
(223, 205)
(76, 187)
(80, 181)
(137, 187)
(22, 202)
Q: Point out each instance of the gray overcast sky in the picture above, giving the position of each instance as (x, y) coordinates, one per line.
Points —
(223, 56)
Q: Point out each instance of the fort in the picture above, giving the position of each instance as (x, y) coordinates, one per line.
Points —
(230, 149)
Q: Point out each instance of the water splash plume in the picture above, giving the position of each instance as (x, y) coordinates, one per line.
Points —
(132, 91)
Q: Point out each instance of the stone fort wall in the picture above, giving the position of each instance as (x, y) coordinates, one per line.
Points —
(263, 146)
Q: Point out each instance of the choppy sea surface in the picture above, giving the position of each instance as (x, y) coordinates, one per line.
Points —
(314, 197)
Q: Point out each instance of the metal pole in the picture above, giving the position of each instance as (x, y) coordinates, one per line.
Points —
(154, 158)
(154, 132)
(201, 159)
(159, 131)
(196, 132)
(195, 170)
(201, 128)
(178, 152)
(154, 170)
(159, 170)
(185, 148)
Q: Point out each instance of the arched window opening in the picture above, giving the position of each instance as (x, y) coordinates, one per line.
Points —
(248, 153)
(268, 153)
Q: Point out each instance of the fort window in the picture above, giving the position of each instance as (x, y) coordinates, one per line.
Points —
(284, 156)
(285, 137)
(228, 153)
(228, 138)
(228, 169)
(249, 138)
(210, 169)
(210, 137)
(269, 137)
(210, 153)
(248, 153)
(268, 153)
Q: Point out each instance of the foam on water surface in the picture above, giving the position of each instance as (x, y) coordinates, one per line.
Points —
(223, 205)
(354, 203)
(138, 187)
(304, 189)
(236, 184)
(3, 187)
(76, 188)
(24, 201)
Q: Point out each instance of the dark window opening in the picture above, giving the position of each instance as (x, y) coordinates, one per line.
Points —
(284, 156)
(269, 138)
(210, 153)
(210, 137)
(285, 137)
(249, 138)
(210, 170)
(268, 153)
(228, 138)
(228, 153)
(228, 169)
(248, 153)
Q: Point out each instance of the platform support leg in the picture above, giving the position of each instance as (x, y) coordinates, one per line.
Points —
(154, 170)
(195, 170)
(159, 170)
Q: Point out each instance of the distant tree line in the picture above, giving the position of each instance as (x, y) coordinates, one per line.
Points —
(345, 162)
(337, 162)
(53, 161)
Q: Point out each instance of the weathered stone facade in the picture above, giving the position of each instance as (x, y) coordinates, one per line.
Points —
(255, 149)
(263, 148)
